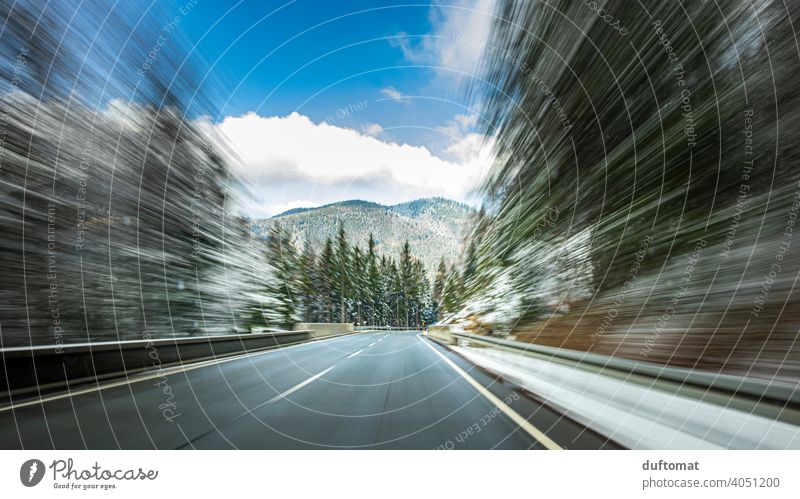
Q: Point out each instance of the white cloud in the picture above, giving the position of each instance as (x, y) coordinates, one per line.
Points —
(463, 143)
(467, 146)
(466, 121)
(460, 124)
(371, 129)
(392, 93)
(325, 163)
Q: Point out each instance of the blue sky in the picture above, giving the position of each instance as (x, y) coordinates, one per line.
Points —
(372, 86)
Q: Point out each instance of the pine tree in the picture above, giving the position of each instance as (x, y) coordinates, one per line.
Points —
(283, 284)
(343, 267)
(395, 289)
(308, 278)
(406, 283)
(373, 283)
(453, 289)
(384, 299)
(326, 283)
(358, 283)
(438, 289)
(418, 292)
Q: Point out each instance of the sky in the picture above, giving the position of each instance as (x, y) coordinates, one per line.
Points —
(334, 100)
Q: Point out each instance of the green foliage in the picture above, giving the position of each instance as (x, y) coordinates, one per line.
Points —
(115, 201)
(452, 291)
(644, 184)
(433, 227)
(285, 283)
(438, 290)
(345, 283)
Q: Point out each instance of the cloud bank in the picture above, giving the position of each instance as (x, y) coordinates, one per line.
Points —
(291, 158)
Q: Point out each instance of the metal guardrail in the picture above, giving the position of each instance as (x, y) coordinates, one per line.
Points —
(387, 328)
(777, 399)
(30, 371)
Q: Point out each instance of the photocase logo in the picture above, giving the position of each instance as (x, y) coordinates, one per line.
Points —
(31, 472)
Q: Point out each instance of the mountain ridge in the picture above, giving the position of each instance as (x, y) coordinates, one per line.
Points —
(349, 202)
(433, 226)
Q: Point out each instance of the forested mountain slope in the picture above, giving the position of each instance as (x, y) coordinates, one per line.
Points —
(433, 226)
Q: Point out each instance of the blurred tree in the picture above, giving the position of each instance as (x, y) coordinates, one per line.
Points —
(438, 289)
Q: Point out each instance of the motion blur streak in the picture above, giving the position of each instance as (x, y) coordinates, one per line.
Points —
(640, 214)
(115, 192)
(645, 196)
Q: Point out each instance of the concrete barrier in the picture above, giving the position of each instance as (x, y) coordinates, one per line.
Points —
(643, 415)
(774, 391)
(325, 329)
(772, 399)
(33, 370)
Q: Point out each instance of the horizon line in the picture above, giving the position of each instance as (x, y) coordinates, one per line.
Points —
(299, 209)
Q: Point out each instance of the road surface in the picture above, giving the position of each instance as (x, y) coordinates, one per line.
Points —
(387, 390)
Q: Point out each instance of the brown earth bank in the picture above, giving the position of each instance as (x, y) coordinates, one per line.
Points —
(731, 342)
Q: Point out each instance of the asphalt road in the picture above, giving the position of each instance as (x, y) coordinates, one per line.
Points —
(393, 390)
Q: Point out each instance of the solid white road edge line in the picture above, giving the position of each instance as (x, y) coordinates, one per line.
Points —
(507, 410)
